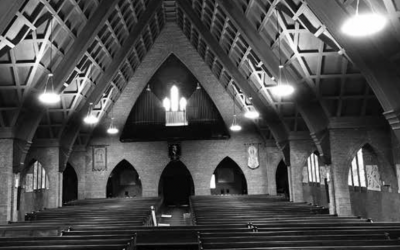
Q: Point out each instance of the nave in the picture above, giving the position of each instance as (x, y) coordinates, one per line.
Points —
(247, 222)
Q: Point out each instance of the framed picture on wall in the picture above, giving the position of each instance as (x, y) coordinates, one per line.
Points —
(99, 156)
(174, 151)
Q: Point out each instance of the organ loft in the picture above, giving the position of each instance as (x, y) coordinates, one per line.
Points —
(199, 124)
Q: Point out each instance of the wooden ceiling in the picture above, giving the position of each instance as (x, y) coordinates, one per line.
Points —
(96, 47)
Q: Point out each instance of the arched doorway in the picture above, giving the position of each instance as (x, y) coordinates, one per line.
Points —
(282, 182)
(176, 184)
(228, 178)
(124, 181)
(70, 184)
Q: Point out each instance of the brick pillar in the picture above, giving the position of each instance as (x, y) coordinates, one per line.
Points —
(78, 162)
(289, 171)
(341, 140)
(274, 156)
(300, 148)
(332, 207)
(6, 180)
(48, 156)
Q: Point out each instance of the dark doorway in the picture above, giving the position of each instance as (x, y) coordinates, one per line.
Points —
(70, 184)
(228, 178)
(124, 181)
(176, 184)
(282, 182)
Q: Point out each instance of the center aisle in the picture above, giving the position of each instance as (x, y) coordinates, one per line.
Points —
(175, 216)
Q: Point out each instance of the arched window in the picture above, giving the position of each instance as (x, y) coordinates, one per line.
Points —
(36, 178)
(357, 171)
(313, 168)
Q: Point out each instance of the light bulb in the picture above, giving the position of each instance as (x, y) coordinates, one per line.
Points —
(364, 24)
(91, 119)
(282, 90)
(49, 98)
(112, 130)
(236, 127)
(251, 114)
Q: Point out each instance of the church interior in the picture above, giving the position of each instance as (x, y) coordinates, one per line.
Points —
(245, 124)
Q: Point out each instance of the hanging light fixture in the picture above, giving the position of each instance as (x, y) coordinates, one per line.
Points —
(49, 96)
(364, 24)
(251, 114)
(282, 88)
(112, 130)
(90, 118)
(235, 126)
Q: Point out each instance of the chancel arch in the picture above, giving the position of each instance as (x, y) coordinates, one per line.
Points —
(228, 178)
(176, 184)
(124, 181)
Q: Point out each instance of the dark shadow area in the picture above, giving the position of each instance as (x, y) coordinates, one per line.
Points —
(229, 178)
(124, 181)
(176, 184)
(70, 184)
(282, 182)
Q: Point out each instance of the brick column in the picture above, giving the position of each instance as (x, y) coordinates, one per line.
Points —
(274, 156)
(342, 146)
(6, 180)
(48, 156)
(289, 171)
(300, 148)
(78, 162)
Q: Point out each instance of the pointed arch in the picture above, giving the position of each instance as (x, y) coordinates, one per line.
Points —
(228, 178)
(176, 184)
(70, 184)
(282, 180)
(124, 181)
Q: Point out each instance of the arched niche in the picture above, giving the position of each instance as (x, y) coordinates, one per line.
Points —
(124, 181)
(282, 181)
(176, 184)
(228, 178)
(70, 184)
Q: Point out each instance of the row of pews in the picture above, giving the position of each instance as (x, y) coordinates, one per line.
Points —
(250, 222)
(85, 224)
(273, 223)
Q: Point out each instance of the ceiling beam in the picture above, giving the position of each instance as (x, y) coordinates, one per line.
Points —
(269, 115)
(370, 55)
(73, 126)
(31, 112)
(305, 99)
(8, 10)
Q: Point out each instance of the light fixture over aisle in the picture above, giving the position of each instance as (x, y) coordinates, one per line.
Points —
(235, 126)
(282, 88)
(112, 130)
(90, 118)
(251, 114)
(49, 96)
(364, 24)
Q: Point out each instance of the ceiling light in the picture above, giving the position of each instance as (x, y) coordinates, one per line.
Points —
(90, 118)
(282, 90)
(235, 126)
(252, 114)
(49, 96)
(364, 24)
(112, 130)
